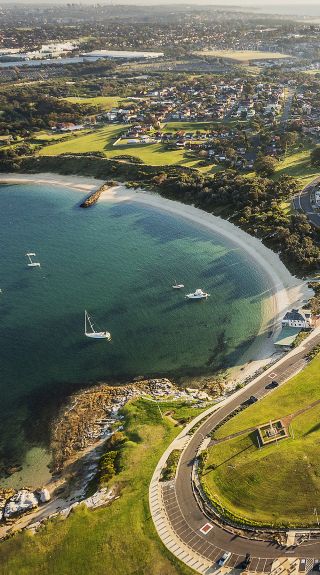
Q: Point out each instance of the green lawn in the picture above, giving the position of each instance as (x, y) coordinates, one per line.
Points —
(102, 140)
(96, 141)
(278, 484)
(188, 126)
(297, 164)
(102, 102)
(44, 137)
(182, 411)
(297, 393)
(119, 539)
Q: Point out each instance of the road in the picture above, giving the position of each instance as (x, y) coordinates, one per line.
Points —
(287, 108)
(303, 202)
(186, 517)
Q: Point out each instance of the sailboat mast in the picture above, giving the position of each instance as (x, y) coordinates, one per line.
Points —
(90, 322)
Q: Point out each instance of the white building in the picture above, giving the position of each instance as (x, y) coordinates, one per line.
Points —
(298, 318)
(125, 54)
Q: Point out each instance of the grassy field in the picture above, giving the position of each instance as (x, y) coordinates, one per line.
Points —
(242, 55)
(297, 164)
(46, 137)
(277, 484)
(102, 102)
(102, 140)
(188, 126)
(119, 539)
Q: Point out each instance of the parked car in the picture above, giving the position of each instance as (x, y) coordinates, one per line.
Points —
(252, 399)
(224, 558)
(272, 385)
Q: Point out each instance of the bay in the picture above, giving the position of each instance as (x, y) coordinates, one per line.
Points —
(118, 261)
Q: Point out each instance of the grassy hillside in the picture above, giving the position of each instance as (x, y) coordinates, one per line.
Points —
(297, 164)
(278, 484)
(102, 102)
(103, 140)
(119, 539)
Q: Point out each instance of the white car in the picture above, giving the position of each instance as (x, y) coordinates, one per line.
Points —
(221, 562)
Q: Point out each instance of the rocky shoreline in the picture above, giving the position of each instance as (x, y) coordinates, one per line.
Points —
(77, 441)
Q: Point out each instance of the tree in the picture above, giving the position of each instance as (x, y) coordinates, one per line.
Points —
(315, 157)
(265, 166)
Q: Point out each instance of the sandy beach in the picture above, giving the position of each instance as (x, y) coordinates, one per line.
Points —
(287, 291)
(284, 291)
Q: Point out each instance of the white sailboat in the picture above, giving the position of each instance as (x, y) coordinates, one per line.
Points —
(31, 263)
(177, 286)
(94, 334)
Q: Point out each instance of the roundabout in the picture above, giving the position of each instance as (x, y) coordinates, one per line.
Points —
(192, 533)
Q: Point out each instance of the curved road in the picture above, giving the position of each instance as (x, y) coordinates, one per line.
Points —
(183, 512)
(303, 202)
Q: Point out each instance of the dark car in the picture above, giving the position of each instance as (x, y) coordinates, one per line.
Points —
(252, 399)
(272, 385)
(245, 563)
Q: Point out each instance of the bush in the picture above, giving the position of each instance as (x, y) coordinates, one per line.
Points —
(169, 472)
(315, 157)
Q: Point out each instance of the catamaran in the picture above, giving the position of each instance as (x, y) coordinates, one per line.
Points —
(177, 286)
(94, 334)
(31, 263)
(198, 294)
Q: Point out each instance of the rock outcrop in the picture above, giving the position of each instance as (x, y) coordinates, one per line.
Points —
(21, 502)
(92, 412)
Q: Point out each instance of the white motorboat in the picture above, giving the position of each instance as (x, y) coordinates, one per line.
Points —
(177, 286)
(31, 263)
(198, 294)
(94, 334)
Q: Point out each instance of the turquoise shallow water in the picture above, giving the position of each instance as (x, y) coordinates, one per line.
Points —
(118, 261)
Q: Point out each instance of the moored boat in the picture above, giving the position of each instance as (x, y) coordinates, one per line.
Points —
(31, 263)
(177, 286)
(198, 294)
(94, 334)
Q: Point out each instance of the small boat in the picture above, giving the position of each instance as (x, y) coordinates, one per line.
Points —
(31, 263)
(177, 286)
(94, 334)
(198, 294)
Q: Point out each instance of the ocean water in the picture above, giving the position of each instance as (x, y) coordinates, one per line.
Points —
(119, 262)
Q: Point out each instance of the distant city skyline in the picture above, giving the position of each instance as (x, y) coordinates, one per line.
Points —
(285, 7)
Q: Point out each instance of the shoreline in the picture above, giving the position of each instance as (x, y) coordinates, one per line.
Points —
(283, 290)
(286, 292)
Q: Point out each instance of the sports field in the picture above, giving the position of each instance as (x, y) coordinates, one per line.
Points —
(243, 55)
(277, 484)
